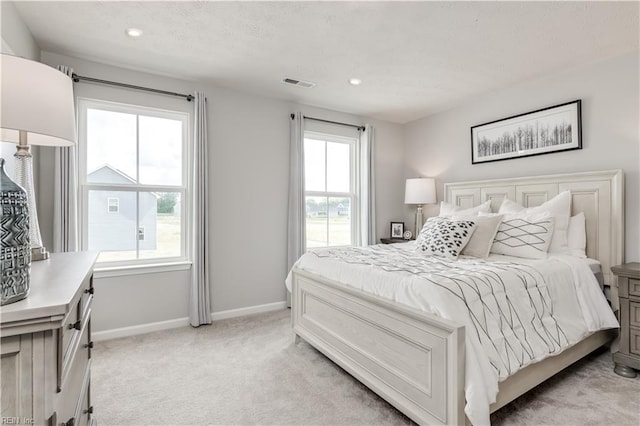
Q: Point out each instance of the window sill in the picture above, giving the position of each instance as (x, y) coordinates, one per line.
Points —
(119, 271)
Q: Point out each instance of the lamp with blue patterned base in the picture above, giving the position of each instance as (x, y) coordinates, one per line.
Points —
(15, 247)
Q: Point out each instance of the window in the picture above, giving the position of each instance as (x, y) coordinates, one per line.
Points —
(331, 197)
(113, 205)
(133, 182)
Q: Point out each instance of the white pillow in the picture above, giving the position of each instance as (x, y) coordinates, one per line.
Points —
(447, 209)
(577, 236)
(559, 207)
(524, 235)
(443, 237)
(482, 239)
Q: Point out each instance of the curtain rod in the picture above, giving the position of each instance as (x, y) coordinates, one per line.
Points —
(78, 78)
(329, 121)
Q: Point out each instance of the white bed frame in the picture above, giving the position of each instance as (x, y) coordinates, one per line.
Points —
(415, 360)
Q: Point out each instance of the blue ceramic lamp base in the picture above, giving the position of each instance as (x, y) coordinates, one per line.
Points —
(15, 248)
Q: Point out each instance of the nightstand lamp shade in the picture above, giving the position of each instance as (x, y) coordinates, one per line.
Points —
(37, 100)
(420, 191)
(37, 109)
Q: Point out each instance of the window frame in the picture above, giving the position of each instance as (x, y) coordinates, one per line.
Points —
(354, 184)
(83, 105)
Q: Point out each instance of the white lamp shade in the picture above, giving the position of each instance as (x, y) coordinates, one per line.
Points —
(38, 100)
(420, 191)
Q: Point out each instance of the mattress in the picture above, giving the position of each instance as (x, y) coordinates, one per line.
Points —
(516, 311)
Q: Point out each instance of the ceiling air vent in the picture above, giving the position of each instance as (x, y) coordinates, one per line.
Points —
(300, 83)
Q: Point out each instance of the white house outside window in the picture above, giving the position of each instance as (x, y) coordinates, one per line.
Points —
(331, 197)
(133, 161)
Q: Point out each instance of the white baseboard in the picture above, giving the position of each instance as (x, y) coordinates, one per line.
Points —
(134, 330)
(241, 312)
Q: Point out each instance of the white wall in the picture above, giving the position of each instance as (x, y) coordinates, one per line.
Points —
(439, 145)
(248, 165)
(16, 40)
(16, 37)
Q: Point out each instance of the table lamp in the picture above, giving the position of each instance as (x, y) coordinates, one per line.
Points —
(36, 109)
(420, 191)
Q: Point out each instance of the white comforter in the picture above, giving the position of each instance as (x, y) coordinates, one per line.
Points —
(515, 311)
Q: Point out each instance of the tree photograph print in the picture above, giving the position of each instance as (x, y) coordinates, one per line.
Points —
(543, 131)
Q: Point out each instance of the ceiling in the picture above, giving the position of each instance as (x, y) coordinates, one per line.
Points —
(414, 58)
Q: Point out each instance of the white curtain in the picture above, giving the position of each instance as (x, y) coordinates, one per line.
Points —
(199, 307)
(65, 194)
(296, 211)
(367, 187)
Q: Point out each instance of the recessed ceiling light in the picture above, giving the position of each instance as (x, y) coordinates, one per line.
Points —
(134, 32)
(354, 81)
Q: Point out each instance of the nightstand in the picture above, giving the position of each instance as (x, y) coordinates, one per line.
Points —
(628, 356)
(393, 240)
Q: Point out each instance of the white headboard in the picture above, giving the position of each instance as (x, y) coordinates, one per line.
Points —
(600, 195)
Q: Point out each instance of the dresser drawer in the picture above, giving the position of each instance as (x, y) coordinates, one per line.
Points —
(87, 295)
(70, 328)
(634, 314)
(634, 287)
(84, 411)
(75, 382)
(72, 332)
(634, 340)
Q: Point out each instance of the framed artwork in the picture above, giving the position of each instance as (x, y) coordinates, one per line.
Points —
(397, 229)
(547, 130)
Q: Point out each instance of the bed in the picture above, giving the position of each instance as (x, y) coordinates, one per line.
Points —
(415, 359)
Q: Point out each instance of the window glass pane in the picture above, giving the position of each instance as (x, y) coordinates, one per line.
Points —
(160, 151)
(111, 147)
(316, 221)
(314, 165)
(338, 167)
(160, 225)
(339, 222)
(137, 147)
(112, 233)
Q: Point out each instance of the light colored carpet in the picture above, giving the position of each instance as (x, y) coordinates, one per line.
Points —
(246, 371)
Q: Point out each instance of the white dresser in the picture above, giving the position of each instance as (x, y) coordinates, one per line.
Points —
(46, 345)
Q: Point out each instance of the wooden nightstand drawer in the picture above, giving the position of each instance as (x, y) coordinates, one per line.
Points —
(634, 287)
(634, 314)
(634, 341)
(627, 358)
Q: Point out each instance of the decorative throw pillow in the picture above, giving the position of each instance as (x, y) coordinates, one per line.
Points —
(524, 235)
(559, 207)
(447, 209)
(444, 237)
(482, 239)
(577, 236)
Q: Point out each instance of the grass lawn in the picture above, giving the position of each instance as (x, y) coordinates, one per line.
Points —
(338, 228)
(167, 243)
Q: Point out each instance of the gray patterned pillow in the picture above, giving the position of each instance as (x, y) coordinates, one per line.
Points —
(444, 237)
(524, 235)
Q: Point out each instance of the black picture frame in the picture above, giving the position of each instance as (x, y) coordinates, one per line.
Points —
(396, 230)
(556, 128)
